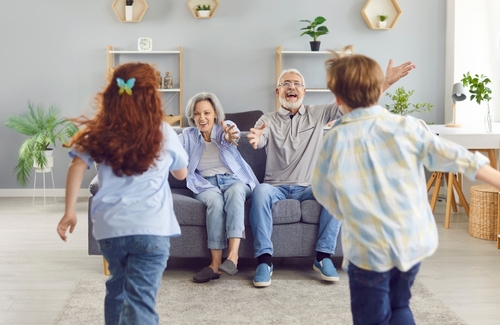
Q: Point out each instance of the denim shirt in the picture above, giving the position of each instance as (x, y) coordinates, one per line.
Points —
(192, 142)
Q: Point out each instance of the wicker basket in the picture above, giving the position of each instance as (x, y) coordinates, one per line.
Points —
(483, 215)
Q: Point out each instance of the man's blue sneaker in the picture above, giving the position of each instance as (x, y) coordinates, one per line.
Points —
(262, 277)
(326, 269)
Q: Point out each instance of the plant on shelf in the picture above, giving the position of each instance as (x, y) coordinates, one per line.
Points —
(401, 104)
(203, 10)
(479, 91)
(382, 17)
(315, 30)
(129, 13)
(43, 128)
(202, 7)
(382, 21)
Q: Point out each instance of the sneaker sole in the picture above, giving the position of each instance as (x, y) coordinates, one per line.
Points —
(326, 278)
(262, 284)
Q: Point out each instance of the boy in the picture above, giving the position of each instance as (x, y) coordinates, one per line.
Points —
(370, 174)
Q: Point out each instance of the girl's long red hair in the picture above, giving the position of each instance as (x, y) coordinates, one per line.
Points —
(126, 131)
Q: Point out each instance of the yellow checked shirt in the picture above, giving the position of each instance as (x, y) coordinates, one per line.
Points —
(370, 174)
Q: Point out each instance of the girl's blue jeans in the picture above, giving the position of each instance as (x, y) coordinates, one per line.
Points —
(136, 264)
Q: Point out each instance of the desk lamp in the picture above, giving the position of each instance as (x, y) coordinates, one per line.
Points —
(457, 94)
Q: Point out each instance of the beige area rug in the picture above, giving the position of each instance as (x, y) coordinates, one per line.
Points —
(238, 302)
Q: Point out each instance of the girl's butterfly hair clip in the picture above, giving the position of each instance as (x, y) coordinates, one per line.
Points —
(125, 86)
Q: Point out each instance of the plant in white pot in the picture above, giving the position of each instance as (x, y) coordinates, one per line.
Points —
(479, 91)
(315, 30)
(382, 21)
(203, 10)
(43, 128)
(129, 12)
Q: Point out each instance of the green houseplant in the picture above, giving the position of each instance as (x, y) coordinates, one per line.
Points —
(401, 104)
(129, 11)
(315, 30)
(382, 21)
(43, 128)
(479, 91)
(203, 10)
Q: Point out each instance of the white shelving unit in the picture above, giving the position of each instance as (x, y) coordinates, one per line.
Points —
(175, 120)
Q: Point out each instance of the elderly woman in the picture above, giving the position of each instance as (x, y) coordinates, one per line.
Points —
(218, 177)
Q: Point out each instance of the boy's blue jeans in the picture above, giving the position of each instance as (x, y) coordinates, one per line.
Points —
(261, 219)
(226, 210)
(136, 264)
(381, 298)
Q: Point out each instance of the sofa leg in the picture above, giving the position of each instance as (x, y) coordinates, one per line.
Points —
(106, 270)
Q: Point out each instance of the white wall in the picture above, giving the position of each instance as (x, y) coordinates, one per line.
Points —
(54, 51)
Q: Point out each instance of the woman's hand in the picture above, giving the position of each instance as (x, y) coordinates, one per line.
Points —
(229, 134)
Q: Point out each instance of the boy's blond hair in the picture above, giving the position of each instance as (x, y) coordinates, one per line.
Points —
(356, 79)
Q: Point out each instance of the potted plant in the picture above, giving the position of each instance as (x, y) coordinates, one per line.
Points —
(128, 10)
(401, 104)
(203, 10)
(315, 30)
(382, 21)
(43, 128)
(480, 92)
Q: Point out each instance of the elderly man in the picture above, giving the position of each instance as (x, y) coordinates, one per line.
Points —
(293, 137)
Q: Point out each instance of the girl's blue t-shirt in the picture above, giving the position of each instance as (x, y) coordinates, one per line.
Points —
(137, 205)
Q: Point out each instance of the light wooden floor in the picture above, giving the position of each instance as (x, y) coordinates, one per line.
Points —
(38, 271)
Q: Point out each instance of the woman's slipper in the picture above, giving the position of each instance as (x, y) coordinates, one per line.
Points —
(228, 267)
(205, 275)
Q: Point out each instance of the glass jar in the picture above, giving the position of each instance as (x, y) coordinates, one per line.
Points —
(168, 81)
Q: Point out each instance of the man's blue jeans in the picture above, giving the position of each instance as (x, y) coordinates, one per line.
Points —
(381, 298)
(261, 220)
(226, 210)
(136, 264)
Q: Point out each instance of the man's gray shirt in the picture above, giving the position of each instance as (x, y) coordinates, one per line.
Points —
(293, 144)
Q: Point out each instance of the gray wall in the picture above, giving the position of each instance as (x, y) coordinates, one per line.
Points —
(54, 51)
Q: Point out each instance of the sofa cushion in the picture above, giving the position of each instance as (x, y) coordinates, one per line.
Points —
(188, 210)
(286, 211)
(310, 210)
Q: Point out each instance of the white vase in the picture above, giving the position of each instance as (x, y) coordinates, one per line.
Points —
(382, 24)
(204, 13)
(129, 12)
(488, 121)
(50, 162)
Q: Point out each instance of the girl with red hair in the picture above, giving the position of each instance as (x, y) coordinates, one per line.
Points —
(132, 212)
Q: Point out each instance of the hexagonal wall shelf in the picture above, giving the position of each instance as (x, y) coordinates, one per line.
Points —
(139, 8)
(374, 8)
(213, 6)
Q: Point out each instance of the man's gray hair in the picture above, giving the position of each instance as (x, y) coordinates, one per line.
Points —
(214, 101)
(294, 71)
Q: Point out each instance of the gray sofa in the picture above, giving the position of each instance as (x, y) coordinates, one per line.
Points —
(295, 227)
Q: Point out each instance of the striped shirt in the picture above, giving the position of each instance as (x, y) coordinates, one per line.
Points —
(370, 174)
(193, 143)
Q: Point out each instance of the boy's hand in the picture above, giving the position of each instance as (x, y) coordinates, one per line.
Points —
(68, 220)
(255, 134)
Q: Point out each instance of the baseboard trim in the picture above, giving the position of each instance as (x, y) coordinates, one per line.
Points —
(25, 192)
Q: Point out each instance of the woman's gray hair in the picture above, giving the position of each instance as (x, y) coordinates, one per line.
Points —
(212, 99)
(294, 71)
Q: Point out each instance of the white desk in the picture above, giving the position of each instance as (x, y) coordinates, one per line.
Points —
(473, 138)
(470, 137)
